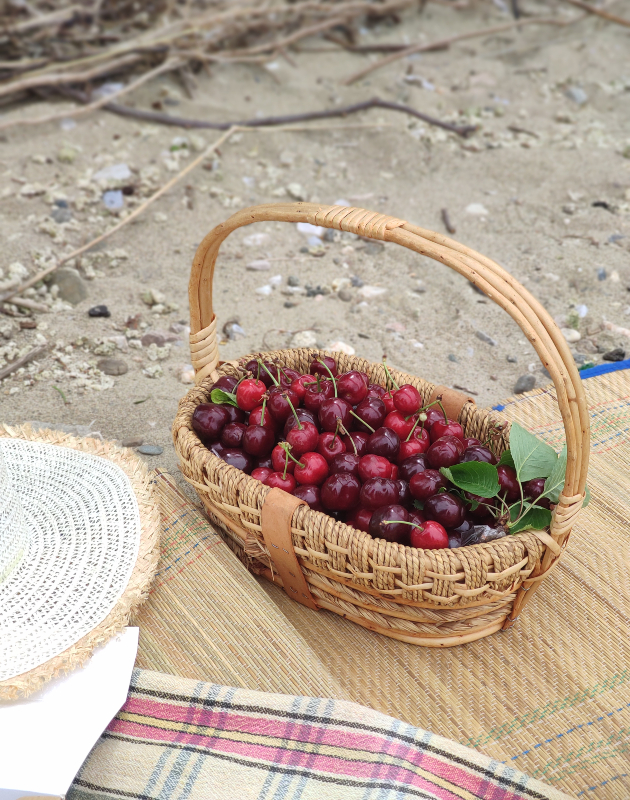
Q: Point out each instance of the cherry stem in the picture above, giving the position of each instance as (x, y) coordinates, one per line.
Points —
(286, 447)
(297, 419)
(439, 402)
(362, 420)
(390, 377)
(261, 364)
(262, 415)
(286, 464)
(332, 377)
(415, 425)
(345, 433)
(336, 432)
(401, 522)
(239, 382)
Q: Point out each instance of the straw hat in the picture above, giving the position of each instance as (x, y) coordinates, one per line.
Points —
(79, 533)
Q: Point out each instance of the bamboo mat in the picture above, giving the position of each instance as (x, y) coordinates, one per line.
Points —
(550, 697)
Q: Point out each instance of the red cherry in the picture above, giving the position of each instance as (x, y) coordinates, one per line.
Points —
(374, 390)
(265, 372)
(409, 448)
(388, 399)
(346, 462)
(258, 440)
(394, 472)
(417, 517)
(445, 508)
(397, 422)
(533, 489)
(303, 440)
(508, 482)
(441, 428)
(276, 481)
(288, 376)
(333, 412)
(257, 415)
(237, 458)
(352, 387)
(312, 468)
(407, 400)
(377, 492)
(208, 421)
(361, 519)
(261, 473)
(432, 536)
(310, 494)
(433, 415)
(425, 484)
(404, 495)
(471, 442)
(356, 440)
(383, 523)
(232, 435)
(281, 461)
(303, 415)
(317, 368)
(445, 452)
(330, 445)
(384, 442)
(279, 403)
(413, 465)
(421, 435)
(298, 385)
(371, 466)
(372, 411)
(340, 492)
(250, 393)
(315, 395)
(478, 453)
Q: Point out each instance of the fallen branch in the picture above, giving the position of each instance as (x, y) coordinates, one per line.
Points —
(599, 12)
(20, 362)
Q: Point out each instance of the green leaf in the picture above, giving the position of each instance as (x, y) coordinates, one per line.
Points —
(223, 398)
(418, 504)
(555, 482)
(506, 459)
(475, 477)
(532, 457)
(535, 518)
(587, 499)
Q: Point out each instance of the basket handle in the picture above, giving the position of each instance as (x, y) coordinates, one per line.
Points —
(493, 280)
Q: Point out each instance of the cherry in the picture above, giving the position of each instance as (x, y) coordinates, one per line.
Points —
(218, 449)
(394, 472)
(372, 411)
(407, 400)
(351, 386)
(371, 466)
(232, 435)
(281, 461)
(425, 484)
(269, 374)
(404, 495)
(264, 463)
(421, 435)
(397, 422)
(310, 494)
(234, 414)
(340, 492)
(315, 394)
(478, 453)
(534, 488)
(483, 509)
(276, 480)
(384, 442)
(250, 393)
(417, 517)
(303, 415)
(312, 468)
(256, 418)
(258, 440)
(361, 519)
(408, 449)
(433, 414)
(447, 509)
(383, 523)
(471, 442)
(261, 473)
(280, 402)
(356, 440)
(413, 466)
(317, 368)
(303, 440)
(445, 452)
(374, 390)
(432, 536)
(508, 482)
(299, 387)
(330, 445)
(333, 412)
(208, 421)
(377, 492)
(227, 383)
(288, 376)
(388, 399)
(443, 427)
(237, 458)
(345, 462)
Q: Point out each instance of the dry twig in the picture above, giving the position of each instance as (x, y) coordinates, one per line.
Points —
(20, 362)
(599, 12)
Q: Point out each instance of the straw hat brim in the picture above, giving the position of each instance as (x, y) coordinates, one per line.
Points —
(140, 573)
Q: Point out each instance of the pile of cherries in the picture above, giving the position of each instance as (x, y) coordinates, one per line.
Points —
(365, 455)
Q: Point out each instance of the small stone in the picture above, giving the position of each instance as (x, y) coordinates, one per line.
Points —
(61, 215)
(71, 285)
(134, 441)
(296, 191)
(113, 200)
(477, 209)
(341, 347)
(485, 338)
(370, 292)
(258, 265)
(290, 304)
(153, 371)
(66, 154)
(304, 339)
(150, 450)
(524, 384)
(153, 297)
(153, 337)
(275, 280)
(356, 281)
(264, 291)
(293, 280)
(601, 274)
(571, 335)
(345, 295)
(115, 172)
(618, 354)
(99, 311)
(453, 358)
(577, 94)
(27, 324)
(512, 359)
(233, 330)
(185, 373)
(112, 366)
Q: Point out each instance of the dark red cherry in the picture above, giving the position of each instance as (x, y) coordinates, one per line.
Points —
(398, 423)
(227, 383)
(407, 449)
(279, 403)
(384, 442)
(315, 394)
(232, 435)
(371, 466)
(388, 399)
(471, 442)
(304, 415)
(277, 480)
(445, 508)
(329, 445)
(433, 414)
(346, 462)
(534, 488)
(208, 421)
(303, 440)
(377, 492)
(250, 393)
(287, 376)
(263, 372)
(352, 387)
(445, 452)
(372, 411)
(264, 463)
(217, 448)
(310, 494)
(404, 495)
(508, 482)
(258, 440)
(482, 511)
(407, 400)
(432, 536)
(335, 412)
(383, 523)
(356, 440)
(317, 368)
(281, 461)
(427, 483)
(478, 453)
(312, 468)
(261, 473)
(374, 390)
(340, 492)
(413, 466)
(262, 416)
(234, 414)
(361, 519)
(449, 428)
(417, 517)
(237, 458)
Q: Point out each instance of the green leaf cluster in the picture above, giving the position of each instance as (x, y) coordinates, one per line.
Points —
(223, 398)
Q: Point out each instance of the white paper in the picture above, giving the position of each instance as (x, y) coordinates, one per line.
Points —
(45, 738)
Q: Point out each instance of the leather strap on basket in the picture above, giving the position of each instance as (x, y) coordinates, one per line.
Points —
(452, 401)
(277, 513)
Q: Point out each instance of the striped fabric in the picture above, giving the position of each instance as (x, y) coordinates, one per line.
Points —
(187, 740)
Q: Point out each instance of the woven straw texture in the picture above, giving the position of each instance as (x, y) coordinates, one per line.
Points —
(550, 697)
(88, 565)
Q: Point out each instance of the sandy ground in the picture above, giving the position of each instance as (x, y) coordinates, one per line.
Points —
(543, 187)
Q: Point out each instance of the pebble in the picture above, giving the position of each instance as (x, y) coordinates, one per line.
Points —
(485, 338)
(371, 291)
(293, 280)
(112, 366)
(618, 354)
(134, 441)
(311, 230)
(115, 172)
(153, 371)
(265, 291)
(525, 384)
(258, 265)
(296, 191)
(233, 330)
(577, 94)
(113, 199)
(151, 450)
(186, 373)
(255, 239)
(27, 324)
(99, 311)
(571, 335)
(66, 154)
(512, 359)
(477, 209)
(304, 339)
(275, 280)
(341, 347)
(581, 310)
(345, 295)
(601, 274)
(453, 358)
(71, 285)
(61, 215)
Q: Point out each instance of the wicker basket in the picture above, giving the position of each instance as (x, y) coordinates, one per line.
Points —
(436, 598)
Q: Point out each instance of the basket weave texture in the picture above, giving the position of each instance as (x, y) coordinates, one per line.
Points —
(436, 598)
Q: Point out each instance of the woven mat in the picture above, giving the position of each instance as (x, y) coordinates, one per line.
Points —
(176, 738)
(550, 697)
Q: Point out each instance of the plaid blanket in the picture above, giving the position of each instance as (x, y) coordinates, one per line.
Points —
(181, 739)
